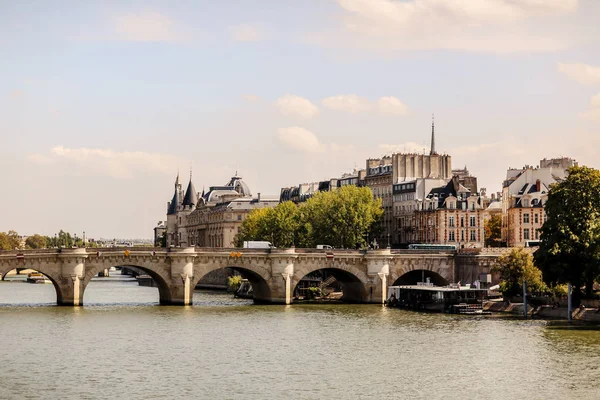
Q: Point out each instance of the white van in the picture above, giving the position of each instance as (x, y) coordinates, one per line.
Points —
(256, 244)
(324, 247)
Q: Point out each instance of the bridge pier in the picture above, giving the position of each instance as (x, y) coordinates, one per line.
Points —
(378, 270)
(70, 286)
(181, 289)
(282, 272)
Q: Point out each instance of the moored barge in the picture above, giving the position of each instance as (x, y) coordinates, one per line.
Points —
(449, 299)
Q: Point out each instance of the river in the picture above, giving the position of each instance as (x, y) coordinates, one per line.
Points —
(121, 344)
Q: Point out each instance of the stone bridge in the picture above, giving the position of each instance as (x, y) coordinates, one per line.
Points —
(273, 273)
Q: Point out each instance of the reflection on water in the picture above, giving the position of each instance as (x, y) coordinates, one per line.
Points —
(123, 345)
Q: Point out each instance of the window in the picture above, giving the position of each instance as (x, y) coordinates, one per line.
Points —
(525, 218)
(473, 206)
(451, 236)
(537, 234)
(473, 236)
(525, 203)
(451, 221)
(536, 218)
(462, 222)
(239, 217)
(472, 220)
(526, 234)
(462, 236)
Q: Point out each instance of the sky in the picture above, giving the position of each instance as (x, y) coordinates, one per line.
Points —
(103, 102)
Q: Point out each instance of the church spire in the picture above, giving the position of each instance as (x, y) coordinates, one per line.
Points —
(432, 151)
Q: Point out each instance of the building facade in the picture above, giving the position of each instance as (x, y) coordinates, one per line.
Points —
(211, 219)
(524, 195)
(451, 215)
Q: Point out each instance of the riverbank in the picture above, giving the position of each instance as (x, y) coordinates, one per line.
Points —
(549, 312)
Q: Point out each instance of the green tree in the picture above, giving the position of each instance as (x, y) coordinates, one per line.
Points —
(493, 231)
(10, 240)
(36, 242)
(255, 226)
(341, 218)
(64, 239)
(514, 268)
(569, 251)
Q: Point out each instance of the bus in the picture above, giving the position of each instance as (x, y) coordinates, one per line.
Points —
(432, 247)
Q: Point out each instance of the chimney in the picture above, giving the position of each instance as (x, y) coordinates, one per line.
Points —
(538, 186)
(258, 194)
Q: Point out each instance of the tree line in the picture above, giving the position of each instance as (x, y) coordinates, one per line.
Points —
(11, 240)
(344, 218)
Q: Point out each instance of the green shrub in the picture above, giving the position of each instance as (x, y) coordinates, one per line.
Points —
(312, 293)
(234, 283)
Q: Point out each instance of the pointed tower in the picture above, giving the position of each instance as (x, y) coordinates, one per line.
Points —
(432, 151)
(174, 203)
(191, 197)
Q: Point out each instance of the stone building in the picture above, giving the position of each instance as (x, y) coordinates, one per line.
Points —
(159, 230)
(211, 219)
(414, 176)
(524, 195)
(451, 214)
(379, 179)
(304, 191)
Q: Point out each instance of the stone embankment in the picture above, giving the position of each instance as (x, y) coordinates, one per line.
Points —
(550, 312)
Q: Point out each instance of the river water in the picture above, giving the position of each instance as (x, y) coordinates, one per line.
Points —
(121, 344)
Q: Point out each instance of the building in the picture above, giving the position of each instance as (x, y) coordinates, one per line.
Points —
(304, 191)
(211, 219)
(414, 176)
(159, 230)
(451, 214)
(379, 179)
(407, 196)
(524, 194)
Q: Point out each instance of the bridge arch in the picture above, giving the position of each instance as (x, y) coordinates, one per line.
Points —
(48, 273)
(353, 280)
(158, 274)
(257, 276)
(411, 275)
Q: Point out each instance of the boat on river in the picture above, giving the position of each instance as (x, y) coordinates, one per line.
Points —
(36, 277)
(427, 297)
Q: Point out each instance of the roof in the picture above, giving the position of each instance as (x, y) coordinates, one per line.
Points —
(191, 197)
(174, 203)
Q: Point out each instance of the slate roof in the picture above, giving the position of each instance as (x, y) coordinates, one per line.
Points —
(191, 197)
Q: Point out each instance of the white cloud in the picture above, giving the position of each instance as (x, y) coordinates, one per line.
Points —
(296, 106)
(352, 103)
(595, 101)
(41, 159)
(582, 73)
(300, 139)
(496, 26)
(148, 26)
(593, 113)
(473, 149)
(392, 105)
(251, 98)
(246, 33)
(118, 164)
(408, 147)
(349, 103)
